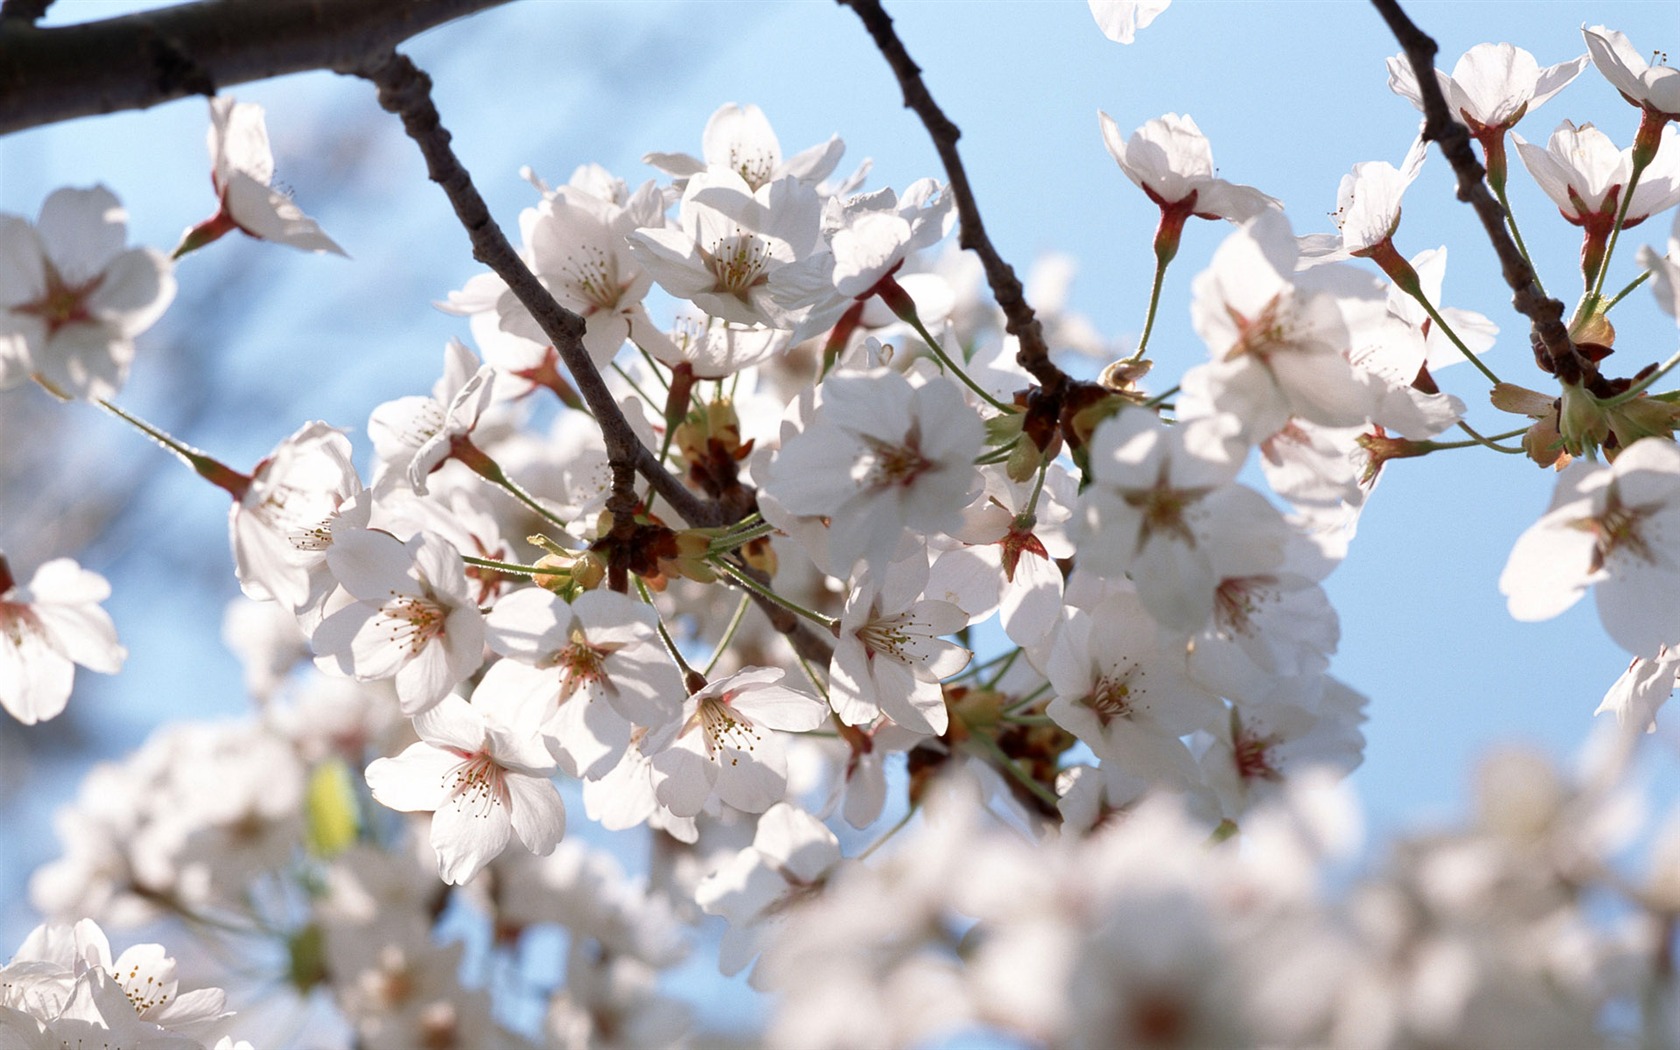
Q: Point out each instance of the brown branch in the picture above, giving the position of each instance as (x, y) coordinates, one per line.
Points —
(1033, 355)
(407, 92)
(1552, 346)
(140, 60)
(27, 11)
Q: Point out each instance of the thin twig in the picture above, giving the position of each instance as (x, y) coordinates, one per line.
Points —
(1550, 336)
(406, 91)
(1034, 354)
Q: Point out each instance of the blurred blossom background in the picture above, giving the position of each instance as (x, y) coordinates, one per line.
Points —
(1291, 95)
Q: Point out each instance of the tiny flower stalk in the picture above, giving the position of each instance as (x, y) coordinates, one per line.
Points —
(1167, 236)
(904, 308)
(1644, 151)
(461, 448)
(1405, 278)
(207, 467)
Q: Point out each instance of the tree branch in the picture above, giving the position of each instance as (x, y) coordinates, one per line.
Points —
(140, 60)
(1550, 338)
(1033, 355)
(407, 92)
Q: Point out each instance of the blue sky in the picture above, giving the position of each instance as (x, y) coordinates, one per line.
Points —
(1290, 94)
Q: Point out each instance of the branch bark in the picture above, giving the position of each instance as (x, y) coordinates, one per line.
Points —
(140, 60)
(1033, 355)
(405, 91)
(1550, 337)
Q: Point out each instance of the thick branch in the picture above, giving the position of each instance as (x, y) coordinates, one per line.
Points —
(1550, 336)
(1034, 355)
(140, 60)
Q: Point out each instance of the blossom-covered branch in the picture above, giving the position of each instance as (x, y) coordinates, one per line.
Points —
(406, 91)
(140, 60)
(1551, 337)
(1034, 354)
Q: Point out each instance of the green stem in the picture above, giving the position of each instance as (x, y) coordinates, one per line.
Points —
(1477, 439)
(990, 746)
(1154, 304)
(689, 674)
(1003, 669)
(731, 540)
(1159, 399)
(203, 464)
(915, 321)
(811, 675)
(1446, 329)
(903, 822)
(997, 455)
(1511, 221)
(729, 633)
(1635, 283)
(827, 622)
(507, 566)
(1640, 387)
(1616, 230)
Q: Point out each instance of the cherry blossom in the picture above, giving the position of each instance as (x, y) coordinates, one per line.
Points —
(282, 526)
(46, 626)
(72, 297)
(890, 655)
(1607, 528)
(483, 781)
(725, 746)
(1367, 207)
(791, 854)
(740, 139)
(406, 613)
(1654, 88)
(1492, 86)
(1120, 20)
(586, 673)
(881, 456)
(242, 171)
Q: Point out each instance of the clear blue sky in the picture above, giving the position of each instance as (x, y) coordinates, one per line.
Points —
(1290, 94)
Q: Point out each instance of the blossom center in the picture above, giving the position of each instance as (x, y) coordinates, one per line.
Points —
(1263, 335)
(726, 728)
(893, 465)
(581, 665)
(592, 273)
(1165, 509)
(478, 785)
(412, 621)
(738, 262)
(1252, 754)
(1114, 697)
(1237, 600)
(1619, 528)
(62, 303)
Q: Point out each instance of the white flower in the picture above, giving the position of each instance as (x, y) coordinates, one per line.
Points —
(1120, 20)
(482, 782)
(880, 457)
(242, 169)
(1170, 160)
(725, 747)
(1279, 346)
(1491, 87)
(1367, 206)
(1616, 529)
(738, 251)
(413, 436)
(587, 672)
(282, 526)
(1584, 174)
(409, 615)
(791, 855)
(1641, 691)
(739, 139)
(1653, 88)
(46, 627)
(872, 233)
(891, 654)
(72, 297)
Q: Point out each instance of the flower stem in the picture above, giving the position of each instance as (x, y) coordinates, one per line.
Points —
(991, 748)
(1154, 304)
(828, 622)
(1477, 439)
(206, 466)
(1644, 384)
(729, 633)
(1511, 222)
(1635, 283)
(506, 566)
(689, 674)
(1446, 329)
(901, 824)
(904, 307)
(1639, 165)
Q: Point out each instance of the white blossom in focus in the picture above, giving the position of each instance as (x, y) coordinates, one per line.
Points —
(46, 626)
